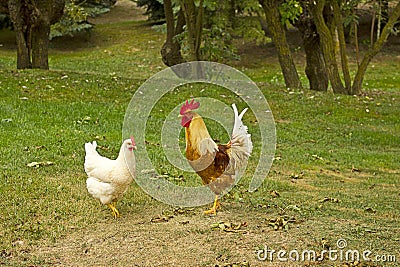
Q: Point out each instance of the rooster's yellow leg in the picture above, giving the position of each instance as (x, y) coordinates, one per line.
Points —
(214, 208)
(114, 209)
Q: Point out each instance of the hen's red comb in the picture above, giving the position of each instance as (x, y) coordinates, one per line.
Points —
(189, 106)
(133, 141)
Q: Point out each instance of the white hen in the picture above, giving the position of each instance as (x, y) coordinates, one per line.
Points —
(109, 179)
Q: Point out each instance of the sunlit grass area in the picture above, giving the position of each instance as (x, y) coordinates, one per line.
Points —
(336, 169)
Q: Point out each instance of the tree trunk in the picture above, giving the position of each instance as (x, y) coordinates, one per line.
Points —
(328, 47)
(23, 51)
(384, 12)
(358, 79)
(40, 46)
(194, 24)
(342, 44)
(19, 15)
(171, 50)
(32, 20)
(315, 65)
(277, 30)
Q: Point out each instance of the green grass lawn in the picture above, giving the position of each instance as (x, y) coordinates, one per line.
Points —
(342, 148)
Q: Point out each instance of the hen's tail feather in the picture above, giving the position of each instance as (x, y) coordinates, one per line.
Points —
(91, 154)
(90, 147)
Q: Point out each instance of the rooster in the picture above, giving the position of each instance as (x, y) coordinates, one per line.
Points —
(109, 179)
(217, 165)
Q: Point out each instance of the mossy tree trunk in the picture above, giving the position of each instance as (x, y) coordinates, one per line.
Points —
(20, 16)
(32, 20)
(277, 30)
(328, 46)
(194, 23)
(358, 79)
(315, 65)
(171, 50)
(342, 45)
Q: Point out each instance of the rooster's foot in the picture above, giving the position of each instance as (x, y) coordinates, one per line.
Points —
(213, 210)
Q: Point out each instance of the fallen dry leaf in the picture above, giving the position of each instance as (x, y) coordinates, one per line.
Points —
(296, 176)
(180, 211)
(228, 226)
(317, 157)
(369, 209)
(274, 193)
(161, 218)
(357, 264)
(281, 222)
(84, 120)
(354, 169)
(236, 264)
(35, 164)
(100, 138)
(6, 120)
(330, 199)
(18, 243)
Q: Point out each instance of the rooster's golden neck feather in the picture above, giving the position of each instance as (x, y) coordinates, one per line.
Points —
(195, 133)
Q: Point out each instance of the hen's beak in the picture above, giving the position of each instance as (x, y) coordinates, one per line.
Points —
(131, 148)
(133, 145)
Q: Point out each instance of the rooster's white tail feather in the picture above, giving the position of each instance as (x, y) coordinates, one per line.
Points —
(241, 143)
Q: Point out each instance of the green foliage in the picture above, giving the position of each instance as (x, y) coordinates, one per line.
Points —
(249, 28)
(217, 32)
(350, 16)
(217, 45)
(5, 22)
(75, 18)
(290, 10)
(211, 5)
(216, 36)
(94, 11)
(221, 25)
(247, 7)
(154, 8)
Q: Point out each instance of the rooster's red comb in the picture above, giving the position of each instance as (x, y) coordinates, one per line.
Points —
(192, 105)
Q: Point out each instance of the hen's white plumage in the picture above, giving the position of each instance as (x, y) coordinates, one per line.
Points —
(109, 179)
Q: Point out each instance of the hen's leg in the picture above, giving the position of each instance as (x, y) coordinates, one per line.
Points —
(214, 208)
(114, 209)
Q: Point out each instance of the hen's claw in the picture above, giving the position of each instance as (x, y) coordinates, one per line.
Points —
(114, 210)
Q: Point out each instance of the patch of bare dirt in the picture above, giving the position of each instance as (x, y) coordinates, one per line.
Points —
(183, 237)
(123, 10)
